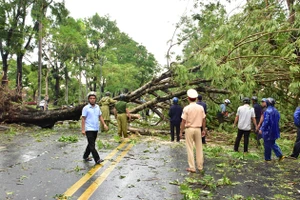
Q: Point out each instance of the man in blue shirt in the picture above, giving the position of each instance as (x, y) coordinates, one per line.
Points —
(175, 113)
(223, 113)
(203, 104)
(270, 130)
(91, 114)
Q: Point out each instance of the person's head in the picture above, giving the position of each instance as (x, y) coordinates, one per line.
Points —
(107, 93)
(199, 97)
(270, 101)
(122, 97)
(254, 99)
(263, 102)
(92, 97)
(192, 95)
(227, 101)
(246, 100)
(175, 100)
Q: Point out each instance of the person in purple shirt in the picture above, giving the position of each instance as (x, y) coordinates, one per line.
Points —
(203, 104)
(175, 113)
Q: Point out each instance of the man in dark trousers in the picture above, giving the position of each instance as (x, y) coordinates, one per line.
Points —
(243, 117)
(203, 104)
(296, 149)
(91, 114)
(257, 111)
(175, 113)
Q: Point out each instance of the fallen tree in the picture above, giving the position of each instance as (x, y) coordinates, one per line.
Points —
(161, 89)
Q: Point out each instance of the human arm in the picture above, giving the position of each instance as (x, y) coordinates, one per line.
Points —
(236, 120)
(265, 122)
(182, 126)
(103, 122)
(203, 127)
(254, 122)
(128, 114)
(83, 125)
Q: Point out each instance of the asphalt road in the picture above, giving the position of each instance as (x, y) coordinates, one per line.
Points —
(34, 165)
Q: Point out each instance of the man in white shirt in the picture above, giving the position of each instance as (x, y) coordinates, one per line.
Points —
(243, 117)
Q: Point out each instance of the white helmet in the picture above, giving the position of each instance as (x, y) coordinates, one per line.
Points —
(227, 101)
(92, 93)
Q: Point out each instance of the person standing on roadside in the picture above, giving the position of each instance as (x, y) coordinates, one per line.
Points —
(175, 113)
(270, 131)
(121, 114)
(264, 108)
(203, 104)
(193, 119)
(243, 117)
(296, 149)
(91, 114)
(105, 102)
(257, 111)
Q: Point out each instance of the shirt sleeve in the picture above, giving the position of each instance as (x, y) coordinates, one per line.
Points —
(84, 111)
(184, 115)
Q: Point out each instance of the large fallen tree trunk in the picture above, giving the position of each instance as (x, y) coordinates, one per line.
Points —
(161, 89)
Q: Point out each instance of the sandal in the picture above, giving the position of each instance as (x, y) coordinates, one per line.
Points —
(190, 170)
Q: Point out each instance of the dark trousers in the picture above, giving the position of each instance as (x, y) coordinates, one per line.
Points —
(269, 146)
(296, 149)
(238, 140)
(91, 138)
(177, 127)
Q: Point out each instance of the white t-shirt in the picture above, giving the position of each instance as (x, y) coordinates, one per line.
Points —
(245, 114)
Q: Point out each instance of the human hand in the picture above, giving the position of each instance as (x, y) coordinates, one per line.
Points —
(105, 127)
(83, 132)
(260, 132)
(203, 133)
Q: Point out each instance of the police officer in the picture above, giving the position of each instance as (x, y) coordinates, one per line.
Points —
(105, 102)
(193, 119)
(121, 114)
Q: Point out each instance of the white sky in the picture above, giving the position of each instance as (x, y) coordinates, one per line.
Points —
(148, 22)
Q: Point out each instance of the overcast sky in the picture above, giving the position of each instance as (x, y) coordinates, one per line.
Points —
(148, 22)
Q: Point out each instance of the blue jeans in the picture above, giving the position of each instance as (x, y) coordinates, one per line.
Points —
(269, 145)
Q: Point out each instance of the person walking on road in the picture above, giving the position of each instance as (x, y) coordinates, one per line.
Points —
(243, 117)
(193, 119)
(203, 104)
(104, 103)
(121, 114)
(296, 149)
(257, 111)
(270, 131)
(91, 114)
(175, 113)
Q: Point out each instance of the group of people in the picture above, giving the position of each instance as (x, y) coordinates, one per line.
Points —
(263, 119)
(92, 113)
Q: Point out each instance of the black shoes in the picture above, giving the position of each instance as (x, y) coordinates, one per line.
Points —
(99, 162)
(87, 159)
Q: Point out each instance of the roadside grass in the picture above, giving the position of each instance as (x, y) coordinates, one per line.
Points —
(238, 176)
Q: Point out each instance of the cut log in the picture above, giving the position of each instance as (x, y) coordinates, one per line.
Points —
(44, 119)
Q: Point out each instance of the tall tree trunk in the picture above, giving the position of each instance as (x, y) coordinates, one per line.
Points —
(4, 68)
(19, 74)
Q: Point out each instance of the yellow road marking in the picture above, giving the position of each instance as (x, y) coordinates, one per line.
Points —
(90, 173)
(92, 188)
